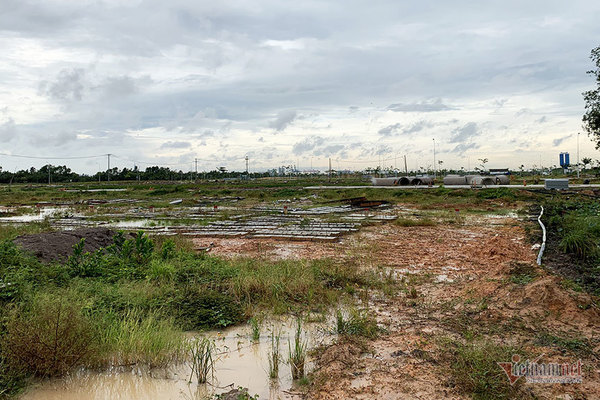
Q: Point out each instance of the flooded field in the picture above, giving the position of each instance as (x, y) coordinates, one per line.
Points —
(427, 279)
(240, 361)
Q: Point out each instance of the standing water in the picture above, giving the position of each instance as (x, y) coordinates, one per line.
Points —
(240, 362)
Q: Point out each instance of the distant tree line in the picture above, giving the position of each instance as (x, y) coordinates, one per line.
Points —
(62, 174)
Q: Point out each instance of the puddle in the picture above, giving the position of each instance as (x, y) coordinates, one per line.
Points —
(36, 217)
(241, 362)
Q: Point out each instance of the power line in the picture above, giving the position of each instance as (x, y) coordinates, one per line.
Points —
(51, 158)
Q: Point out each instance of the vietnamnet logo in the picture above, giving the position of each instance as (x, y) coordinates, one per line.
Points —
(536, 372)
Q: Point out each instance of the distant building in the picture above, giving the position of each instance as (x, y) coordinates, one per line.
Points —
(499, 171)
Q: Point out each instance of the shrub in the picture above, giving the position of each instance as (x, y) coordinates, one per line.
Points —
(48, 339)
(198, 308)
(12, 382)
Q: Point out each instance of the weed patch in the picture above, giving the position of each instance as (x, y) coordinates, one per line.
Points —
(474, 370)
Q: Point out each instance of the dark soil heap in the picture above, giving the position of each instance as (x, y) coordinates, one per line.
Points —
(58, 246)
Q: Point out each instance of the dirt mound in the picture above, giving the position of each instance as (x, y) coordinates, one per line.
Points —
(58, 246)
(545, 295)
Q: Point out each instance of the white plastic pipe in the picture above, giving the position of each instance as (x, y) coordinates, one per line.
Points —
(543, 246)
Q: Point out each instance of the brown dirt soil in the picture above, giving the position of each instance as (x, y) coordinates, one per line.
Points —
(56, 246)
(462, 277)
(269, 248)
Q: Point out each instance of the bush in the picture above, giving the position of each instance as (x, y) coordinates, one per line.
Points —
(198, 308)
(12, 382)
(48, 339)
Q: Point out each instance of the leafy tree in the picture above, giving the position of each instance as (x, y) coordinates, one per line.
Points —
(585, 161)
(483, 161)
(591, 118)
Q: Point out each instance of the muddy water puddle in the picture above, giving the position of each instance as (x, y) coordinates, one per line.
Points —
(240, 361)
(36, 215)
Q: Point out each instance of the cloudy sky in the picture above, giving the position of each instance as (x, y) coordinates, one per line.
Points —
(165, 82)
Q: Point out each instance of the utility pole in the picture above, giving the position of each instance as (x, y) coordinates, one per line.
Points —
(108, 170)
(434, 166)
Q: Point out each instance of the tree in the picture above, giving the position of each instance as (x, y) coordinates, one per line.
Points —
(591, 118)
(483, 162)
(585, 161)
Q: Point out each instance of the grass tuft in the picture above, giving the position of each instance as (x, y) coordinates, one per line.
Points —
(274, 355)
(358, 323)
(474, 370)
(201, 352)
(297, 353)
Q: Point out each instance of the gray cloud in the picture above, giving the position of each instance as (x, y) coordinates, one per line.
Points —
(68, 86)
(56, 140)
(284, 118)
(8, 130)
(464, 147)
(423, 106)
(417, 127)
(465, 133)
(329, 150)
(307, 145)
(120, 86)
(558, 142)
(174, 70)
(176, 145)
(398, 128)
(390, 129)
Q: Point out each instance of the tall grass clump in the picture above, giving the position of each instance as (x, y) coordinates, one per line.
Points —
(48, 338)
(255, 327)
(297, 353)
(581, 238)
(475, 372)
(141, 338)
(274, 355)
(357, 323)
(201, 352)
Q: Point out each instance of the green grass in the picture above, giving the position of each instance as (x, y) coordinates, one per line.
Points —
(140, 338)
(255, 327)
(202, 351)
(357, 323)
(522, 273)
(298, 352)
(274, 355)
(407, 222)
(131, 303)
(474, 371)
(576, 345)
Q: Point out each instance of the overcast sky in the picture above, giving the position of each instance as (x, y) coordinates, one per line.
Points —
(294, 82)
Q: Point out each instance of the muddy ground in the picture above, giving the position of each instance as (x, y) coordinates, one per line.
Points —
(469, 282)
(58, 246)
